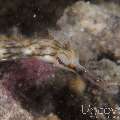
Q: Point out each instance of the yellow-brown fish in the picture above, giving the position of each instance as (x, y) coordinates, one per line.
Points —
(52, 51)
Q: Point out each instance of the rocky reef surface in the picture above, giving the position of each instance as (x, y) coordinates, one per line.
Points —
(32, 89)
(94, 29)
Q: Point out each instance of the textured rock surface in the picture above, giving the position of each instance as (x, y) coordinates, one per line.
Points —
(26, 93)
(32, 84)
(94, 28)
(9, 108)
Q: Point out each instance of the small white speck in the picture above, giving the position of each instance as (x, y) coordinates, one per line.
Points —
(26, 51)
(51, 114)
(98, 80)
(4, 59)
(90, 39)
(48, 58)
(82, 29)
(88, 2)
(2, 52)
(34, 16)
(53, 76)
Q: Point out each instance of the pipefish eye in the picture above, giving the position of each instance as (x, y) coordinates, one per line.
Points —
(64, 58)
(60, 61)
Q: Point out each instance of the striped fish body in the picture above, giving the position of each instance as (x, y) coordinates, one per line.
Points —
(15, 47)
(18, 47)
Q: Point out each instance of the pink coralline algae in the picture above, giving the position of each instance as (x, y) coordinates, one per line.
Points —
(37, 69)
(31, 82)
(28, 71)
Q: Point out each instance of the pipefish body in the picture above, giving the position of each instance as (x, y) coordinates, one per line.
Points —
(50, 50)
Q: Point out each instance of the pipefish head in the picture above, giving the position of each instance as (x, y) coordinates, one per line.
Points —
(67, 57)
(69, 60)
(50, 50)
